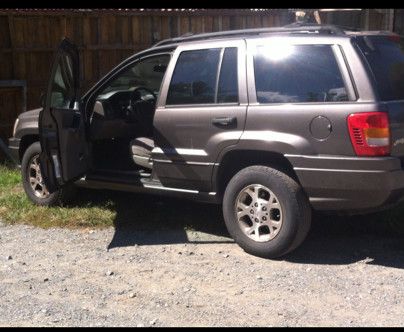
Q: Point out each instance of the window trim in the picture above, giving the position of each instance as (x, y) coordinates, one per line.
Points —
(240, 44)
(368, 70)
(339, 58)
(218, 71)
(345, 72)
(200, 105)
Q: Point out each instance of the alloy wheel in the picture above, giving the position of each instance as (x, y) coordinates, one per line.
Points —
(259, 213)
(35, 178)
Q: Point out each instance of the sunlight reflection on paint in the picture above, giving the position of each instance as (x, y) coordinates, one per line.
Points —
(276, 51)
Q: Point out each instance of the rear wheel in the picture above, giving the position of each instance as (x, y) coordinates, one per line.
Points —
(33, 182)
(266, 211)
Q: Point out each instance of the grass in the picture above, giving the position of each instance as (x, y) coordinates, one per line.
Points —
(102, 208)
(15, 207)
(98, 209)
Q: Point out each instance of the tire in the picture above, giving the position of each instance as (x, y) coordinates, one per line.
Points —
(287, 213)
(39, 196)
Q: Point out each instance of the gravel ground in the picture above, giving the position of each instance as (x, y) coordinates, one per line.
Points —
(145, 272)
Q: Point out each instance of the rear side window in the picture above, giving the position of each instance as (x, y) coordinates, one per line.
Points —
(385, 56)
(287, 73)
(228, 85)
(205, 76)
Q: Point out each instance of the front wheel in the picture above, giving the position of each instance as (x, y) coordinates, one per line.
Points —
(266, 211)
(33, 183)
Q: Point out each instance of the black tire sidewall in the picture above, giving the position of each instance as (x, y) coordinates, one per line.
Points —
(286, 190)
(53, 198)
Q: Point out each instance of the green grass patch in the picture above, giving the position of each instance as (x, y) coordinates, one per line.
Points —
(101, 208)
(9, 177)
(15, 207)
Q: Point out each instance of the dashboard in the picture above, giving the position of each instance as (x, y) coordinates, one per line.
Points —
(111, 117)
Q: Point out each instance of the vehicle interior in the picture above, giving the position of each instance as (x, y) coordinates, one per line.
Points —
(121, 124)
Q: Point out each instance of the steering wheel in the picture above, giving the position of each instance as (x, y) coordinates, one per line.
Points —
(141, 110)
(136, 95)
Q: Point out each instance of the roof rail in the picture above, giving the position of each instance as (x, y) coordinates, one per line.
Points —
(291, 28)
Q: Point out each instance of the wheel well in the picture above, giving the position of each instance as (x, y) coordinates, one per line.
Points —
(25, 142)
(234, 161)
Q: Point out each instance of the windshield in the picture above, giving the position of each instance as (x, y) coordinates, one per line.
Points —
(148, 73)
(385, 56)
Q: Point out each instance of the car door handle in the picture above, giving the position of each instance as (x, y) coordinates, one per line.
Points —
(225, 121)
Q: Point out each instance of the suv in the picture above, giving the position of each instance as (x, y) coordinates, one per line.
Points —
(270, 123)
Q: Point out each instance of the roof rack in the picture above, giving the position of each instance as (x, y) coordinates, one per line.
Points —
(291, 28)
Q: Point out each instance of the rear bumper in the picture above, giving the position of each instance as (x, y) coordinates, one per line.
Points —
(350, 184)
(13, 147)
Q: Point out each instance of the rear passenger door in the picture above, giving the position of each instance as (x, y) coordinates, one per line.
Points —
(201, 110)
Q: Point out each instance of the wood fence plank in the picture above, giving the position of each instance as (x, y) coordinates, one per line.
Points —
(197, 25)
(165, 27)
(17, 38)
(5, 40)
(225, 23)
(184, 25)
(135, 30)
(146, 33)
(124, 22)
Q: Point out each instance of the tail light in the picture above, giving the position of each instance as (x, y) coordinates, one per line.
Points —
(370, 133)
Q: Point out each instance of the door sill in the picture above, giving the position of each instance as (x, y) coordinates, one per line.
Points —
(130, 177)
(139, 184)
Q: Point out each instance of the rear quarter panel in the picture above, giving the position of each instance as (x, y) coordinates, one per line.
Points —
(285, 127)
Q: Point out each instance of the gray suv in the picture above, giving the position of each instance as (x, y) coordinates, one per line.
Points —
(270, 123)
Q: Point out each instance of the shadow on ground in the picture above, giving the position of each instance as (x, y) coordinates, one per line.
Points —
(376, 238)
(148, 220)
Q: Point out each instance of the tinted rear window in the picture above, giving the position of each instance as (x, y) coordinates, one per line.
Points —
(297, 73)
(386, 60)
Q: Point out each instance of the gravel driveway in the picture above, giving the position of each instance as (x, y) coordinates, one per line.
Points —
(173, 264)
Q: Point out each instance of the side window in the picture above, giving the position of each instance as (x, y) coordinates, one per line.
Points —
(62, 92)
(195, 79)
(297, 73)
(228, 85)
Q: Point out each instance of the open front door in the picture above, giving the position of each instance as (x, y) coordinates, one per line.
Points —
(64, 156)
